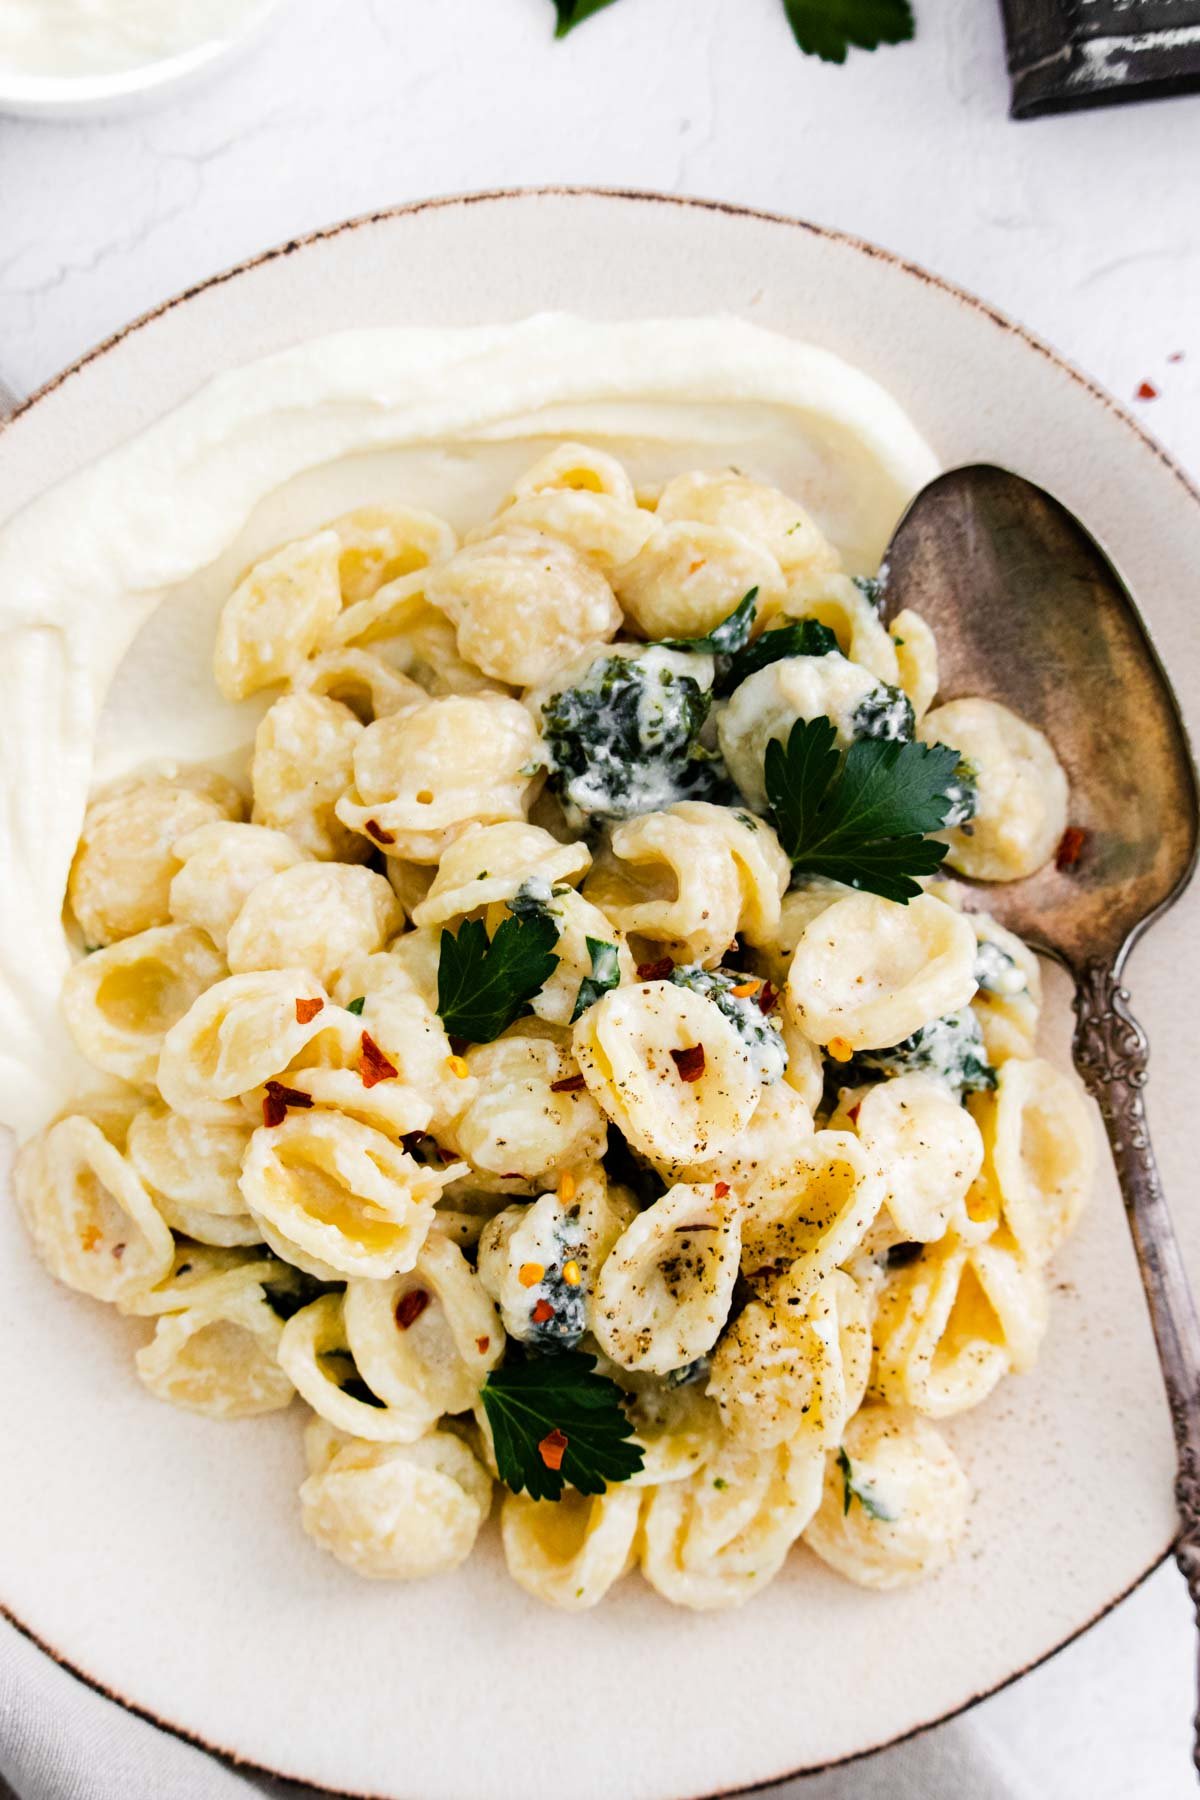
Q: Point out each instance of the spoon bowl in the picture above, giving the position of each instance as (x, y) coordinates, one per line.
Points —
(1028, 611)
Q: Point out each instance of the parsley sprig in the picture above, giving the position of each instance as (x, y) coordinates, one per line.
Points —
(861, 820)
(535, 1404)
(483, 986)
(863, 1492)
(824, 28)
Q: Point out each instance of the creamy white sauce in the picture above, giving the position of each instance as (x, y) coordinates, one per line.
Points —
(111, 582)
(109, 37)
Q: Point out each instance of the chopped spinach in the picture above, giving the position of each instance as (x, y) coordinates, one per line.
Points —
(951, 1047)
(871, 589)
(963, 794)
(626, 739)
(803, 637)
(886, 712)
(997, 972)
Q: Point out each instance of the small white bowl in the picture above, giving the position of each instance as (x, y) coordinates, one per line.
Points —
(122, 90)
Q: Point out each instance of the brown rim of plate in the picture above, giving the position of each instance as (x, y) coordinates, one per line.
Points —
(636, 196)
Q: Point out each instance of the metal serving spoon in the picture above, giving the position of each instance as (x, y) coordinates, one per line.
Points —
(1028, 610)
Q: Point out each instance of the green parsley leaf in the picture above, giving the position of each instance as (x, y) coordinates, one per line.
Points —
(574, 12)
(803, 637)
(863, 822)
(725, 639)
(482, 986)
(356, 1006)
(605, 974)
(863, 1492)
(828, 28)
(529, 1400)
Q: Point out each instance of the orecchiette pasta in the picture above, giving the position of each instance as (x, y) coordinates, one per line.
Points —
(570, 1552)
(316, 916)
(239, 1033)
(917, 660)
(669, 1070)
(490, 863)
(398, 1512)
(665, 1288)
(691, 879)
(191, 1169)
(340, 1192)
(424, 1341)
(221, 865)
(927, 1148)
(120, 880)
(941, 1344)
(868, 972)
(366, 684)
(779, 1373)
(277, 615)
(380, 544)
(91, 1220)
(1021, 809)
(420, 777)
(761, 513)
(714, 1540)
(894, 1505)
(303, 764)
(691, 576)
(1039, 1152)
(218, 1356)
(121, 1002)
(808, 1217)
(507, 1092)
(523, 603)
(521, 1121)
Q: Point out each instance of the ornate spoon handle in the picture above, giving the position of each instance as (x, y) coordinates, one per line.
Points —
(1111, 1053)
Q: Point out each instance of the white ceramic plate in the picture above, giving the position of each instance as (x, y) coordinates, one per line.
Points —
(122, 90)
(158, 1554)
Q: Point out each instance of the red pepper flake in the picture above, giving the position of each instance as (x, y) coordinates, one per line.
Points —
(542, 1312)
(1070, 848)
(410, 1306)
(553, 1448)
(570, 1084)
(1175, 356)
(412, 1139)
(852, 1115)
(118, 1251)
(1146, 390)
(374, 829)
(768, 997)
(373, 1065)
(720, 1190)
(655, 971)
(481, 1344)
(689, 1062)
(307, 1010)
(278, 1098)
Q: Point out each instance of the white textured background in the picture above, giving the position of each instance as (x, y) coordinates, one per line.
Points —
(1087, 229)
